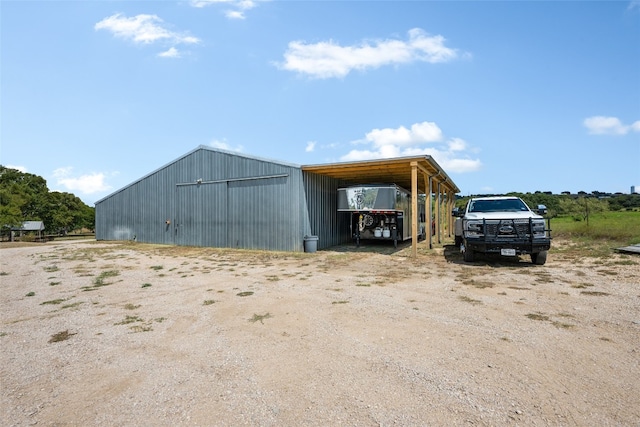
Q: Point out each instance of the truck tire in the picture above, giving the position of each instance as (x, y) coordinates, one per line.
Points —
(539, 258)
(467, 255)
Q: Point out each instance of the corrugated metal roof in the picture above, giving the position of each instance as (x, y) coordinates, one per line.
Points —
(31, 226)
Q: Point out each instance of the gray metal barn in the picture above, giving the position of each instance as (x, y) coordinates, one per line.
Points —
(216, 198)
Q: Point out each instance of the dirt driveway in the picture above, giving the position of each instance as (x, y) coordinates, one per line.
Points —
(102, 334)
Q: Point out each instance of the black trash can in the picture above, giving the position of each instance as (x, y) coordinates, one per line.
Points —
(310, 243)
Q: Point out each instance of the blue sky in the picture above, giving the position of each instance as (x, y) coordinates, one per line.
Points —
(506, 96)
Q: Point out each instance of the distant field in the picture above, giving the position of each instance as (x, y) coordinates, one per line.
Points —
(618, 227)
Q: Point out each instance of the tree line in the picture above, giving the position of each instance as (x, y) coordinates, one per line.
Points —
(26, 197)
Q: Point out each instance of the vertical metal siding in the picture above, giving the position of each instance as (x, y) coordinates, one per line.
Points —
(228, 209)
(331, 226)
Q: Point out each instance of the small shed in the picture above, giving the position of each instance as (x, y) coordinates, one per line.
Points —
(28, 226)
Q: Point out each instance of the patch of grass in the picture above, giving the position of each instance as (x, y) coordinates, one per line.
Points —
(54, 283)
(562, 325)
(543, 277)
(141, 328)
(3, 334)
(363, 284)
(51, 268)
(604, 231)
(244, 294)
(130, 306)
(340, 302)
(100, 280)
(607, 272)
(3, 273)
(146, 285)
(260, 317)
(624, 262)
(129, 319)
(30, 294)
(209, 302)
(478, 283)
(72, 305)
(53, 301)
(595, 293)
(273, 278)
(469, 300)
(538, 316)
(159, 267)
(581, 285)
(61, 336)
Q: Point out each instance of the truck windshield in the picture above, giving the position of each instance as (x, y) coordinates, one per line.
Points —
(511, 205)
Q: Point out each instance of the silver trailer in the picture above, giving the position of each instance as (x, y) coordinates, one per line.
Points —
(379, 212)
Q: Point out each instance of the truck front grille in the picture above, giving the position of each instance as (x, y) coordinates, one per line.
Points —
(507, 229)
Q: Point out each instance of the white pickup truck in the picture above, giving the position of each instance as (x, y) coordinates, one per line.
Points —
(502, 225)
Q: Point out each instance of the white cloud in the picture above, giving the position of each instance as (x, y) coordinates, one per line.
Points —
(634, 4)
(235, 8)
(457, 144)
(18, 168)
(170, 53)
(451, 154)
(144, 29)
(418, 134)
(602, 125)
(311, 145)
(223, 145)
(85, 184)
(327, 59)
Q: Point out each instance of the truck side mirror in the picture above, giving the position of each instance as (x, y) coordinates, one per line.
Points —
(457, 212)
(542, 209)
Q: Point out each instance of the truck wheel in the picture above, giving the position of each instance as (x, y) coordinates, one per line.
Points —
(467, 254)
(539, 258)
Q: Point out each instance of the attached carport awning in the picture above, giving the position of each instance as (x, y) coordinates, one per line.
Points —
(419, 174)
(396, 170)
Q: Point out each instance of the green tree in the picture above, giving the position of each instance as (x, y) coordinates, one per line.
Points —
(24, 197)
(582, 207)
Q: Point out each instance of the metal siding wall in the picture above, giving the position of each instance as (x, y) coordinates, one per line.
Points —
(331, 227)
(264, 213)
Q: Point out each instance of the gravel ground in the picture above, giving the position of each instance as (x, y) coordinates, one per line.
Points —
(128, 334)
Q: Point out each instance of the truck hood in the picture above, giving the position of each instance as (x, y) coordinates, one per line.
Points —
(502, 215)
